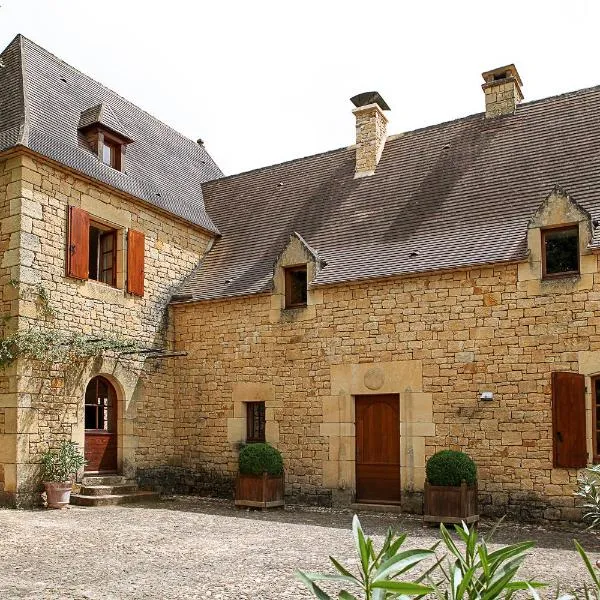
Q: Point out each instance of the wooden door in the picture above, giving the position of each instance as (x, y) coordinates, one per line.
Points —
(568, 417)
(378, 449)
(100, 426)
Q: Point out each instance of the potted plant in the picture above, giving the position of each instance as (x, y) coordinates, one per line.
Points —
(451, 488)
(59, 469)
(260, 482)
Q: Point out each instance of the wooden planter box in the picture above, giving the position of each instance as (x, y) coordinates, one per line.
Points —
(449, 504)
(259, 491)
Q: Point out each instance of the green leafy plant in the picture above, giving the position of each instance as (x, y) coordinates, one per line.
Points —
(588, 489)
(593, 592)
(378, 571)
(475, 573)
(450, 467)
(256, 459)
(62, 465)
(53, 346)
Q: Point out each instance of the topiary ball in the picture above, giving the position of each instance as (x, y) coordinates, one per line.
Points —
(450, 467)
(256, 459)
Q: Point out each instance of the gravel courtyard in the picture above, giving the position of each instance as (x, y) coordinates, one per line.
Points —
(195, 548)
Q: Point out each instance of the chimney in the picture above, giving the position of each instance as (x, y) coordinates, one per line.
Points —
(502, 90)
(371, 127)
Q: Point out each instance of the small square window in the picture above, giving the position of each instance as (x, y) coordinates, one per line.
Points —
(560, 251)
(103, 254)
(255, 421)
(296, 287)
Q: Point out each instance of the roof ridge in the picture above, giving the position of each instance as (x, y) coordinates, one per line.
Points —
(393, 136)
(66, 64)
(279, 164)
(24, 131)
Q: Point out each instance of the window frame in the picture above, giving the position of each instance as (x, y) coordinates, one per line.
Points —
(116, 147)
(106, 231)
(251, 437)
(595, 417)
(288, 271)
(543, 233)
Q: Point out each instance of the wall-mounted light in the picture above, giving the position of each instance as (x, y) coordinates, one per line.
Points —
(486, 396)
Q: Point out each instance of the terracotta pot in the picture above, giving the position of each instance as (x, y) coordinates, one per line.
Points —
(58, 493)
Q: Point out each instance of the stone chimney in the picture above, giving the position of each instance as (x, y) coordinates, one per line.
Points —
(371, 128)
(502, 90)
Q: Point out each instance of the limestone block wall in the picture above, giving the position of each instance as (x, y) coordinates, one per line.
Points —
(48, 399)
(8, 439)
(438, 341)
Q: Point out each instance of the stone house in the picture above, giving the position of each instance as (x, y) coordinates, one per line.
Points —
(359, 309)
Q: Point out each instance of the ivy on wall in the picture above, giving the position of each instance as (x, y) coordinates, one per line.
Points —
(50, 345)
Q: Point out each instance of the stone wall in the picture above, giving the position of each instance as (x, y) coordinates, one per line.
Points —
(465, 332)
(8, 442)
(48, 399)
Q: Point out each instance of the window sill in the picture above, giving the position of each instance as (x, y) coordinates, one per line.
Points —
(96, 290)
(561, 276)
(109, 285)
(296, 307)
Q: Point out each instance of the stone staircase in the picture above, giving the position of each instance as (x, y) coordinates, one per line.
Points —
(109, 490)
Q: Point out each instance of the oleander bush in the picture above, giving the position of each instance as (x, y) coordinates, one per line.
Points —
(590, 591)
(588, 489)
(256, 459)
(379, 572)
(450, 467)
(472, 572)
(460, 567)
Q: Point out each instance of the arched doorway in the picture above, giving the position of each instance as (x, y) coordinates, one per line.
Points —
(100, 426)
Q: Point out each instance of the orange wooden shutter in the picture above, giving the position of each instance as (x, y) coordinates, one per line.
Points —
(78, 248)
(568, 418)
(135, 262)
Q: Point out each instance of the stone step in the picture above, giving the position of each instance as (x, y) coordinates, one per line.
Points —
(113, 499)
(92, 480)
(120, 489)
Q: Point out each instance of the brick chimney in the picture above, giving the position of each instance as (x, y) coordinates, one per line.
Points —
(371, 128)
(502, 90)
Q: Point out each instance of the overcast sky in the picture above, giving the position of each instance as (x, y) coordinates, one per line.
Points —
(264, 82)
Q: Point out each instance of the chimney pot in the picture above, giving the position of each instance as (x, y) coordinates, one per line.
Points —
(371, 129)
(502, 90)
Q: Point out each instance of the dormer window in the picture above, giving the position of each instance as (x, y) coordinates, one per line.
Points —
(560, 251)
(105, 134)
(296, 287)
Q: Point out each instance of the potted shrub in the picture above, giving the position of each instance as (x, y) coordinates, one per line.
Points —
(451, 488)
(59, 469)
(259, 482)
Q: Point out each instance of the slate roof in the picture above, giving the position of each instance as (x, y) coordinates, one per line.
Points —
(41, 103)
(453, 195)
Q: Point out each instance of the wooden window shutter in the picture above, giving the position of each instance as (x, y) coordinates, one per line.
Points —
(78, 248)
(135, 262)
(568, 420)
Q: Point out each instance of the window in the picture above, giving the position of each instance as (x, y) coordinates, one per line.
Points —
(93, 248)
(103, 254)
(255, 421)
(596, 417)
(99, 404)
(295, 287)
(111, 153)
(560, 251)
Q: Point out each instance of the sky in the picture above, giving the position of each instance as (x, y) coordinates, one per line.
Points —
(263, 82)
